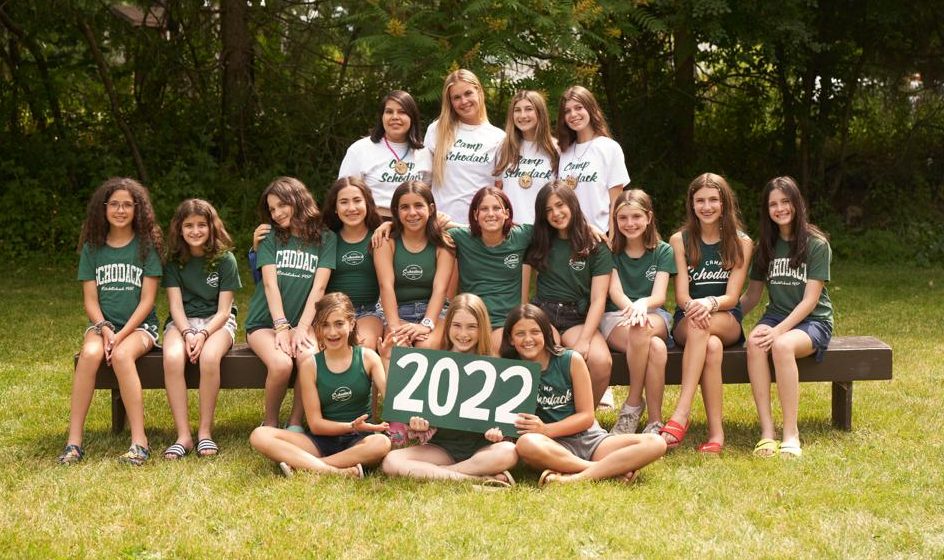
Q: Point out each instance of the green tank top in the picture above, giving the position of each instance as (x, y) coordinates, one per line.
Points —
(556, 391)
(707, 277)
(344, 395)
(413, 273)
(354, 274)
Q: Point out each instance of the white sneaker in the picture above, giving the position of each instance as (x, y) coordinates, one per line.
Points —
(606, 401)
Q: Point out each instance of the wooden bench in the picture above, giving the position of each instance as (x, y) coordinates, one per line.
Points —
(851, 358)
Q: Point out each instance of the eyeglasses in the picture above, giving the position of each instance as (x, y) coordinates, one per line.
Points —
(116, 205)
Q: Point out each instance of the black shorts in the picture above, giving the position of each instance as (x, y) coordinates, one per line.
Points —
(330, 445)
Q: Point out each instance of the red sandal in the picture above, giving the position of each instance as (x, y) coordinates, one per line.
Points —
(711, 448)
(675, 430)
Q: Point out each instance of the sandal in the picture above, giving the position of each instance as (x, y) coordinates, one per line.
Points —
(675, 430)
(711, 448)
(136, 455)
(630, 477)
(508, 478)
(548, 477)
(71, 454)
(287, 471)
(206, 447)
(790, 451)
(175, 452)
(360, 470)
(766, 448)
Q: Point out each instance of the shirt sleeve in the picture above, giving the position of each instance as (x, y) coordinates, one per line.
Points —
(601, 261)
(328, 256)
(756, 273)
(820, 258)
(171, 277)
(350, 165)
(152, 266)
(617, 174)
(665, 259)
(229, 274)
(86, 264)
(265, 254)
(429, 141)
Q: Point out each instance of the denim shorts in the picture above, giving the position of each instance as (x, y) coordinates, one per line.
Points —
(734, 311)
(820, 332)
(369, 310)
(562, 314)
(414, 311)
(612, 318)
(330, 445)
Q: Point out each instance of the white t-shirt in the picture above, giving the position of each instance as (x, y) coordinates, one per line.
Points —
(597, 165)
(375, 164)
(470, 163)
(535, 163)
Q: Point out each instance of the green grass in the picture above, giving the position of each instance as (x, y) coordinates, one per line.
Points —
(875, 491)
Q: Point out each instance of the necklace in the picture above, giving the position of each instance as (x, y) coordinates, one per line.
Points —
(525, 180)
(400, 166)
(572, 179)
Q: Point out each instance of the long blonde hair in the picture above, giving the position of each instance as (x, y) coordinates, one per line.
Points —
(448, 119)
(510, 152)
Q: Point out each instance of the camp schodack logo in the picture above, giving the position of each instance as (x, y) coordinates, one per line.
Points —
(213, 280)
(413, 272)
(352, 258)
(577, 265)
(341, 394)
(513, 260)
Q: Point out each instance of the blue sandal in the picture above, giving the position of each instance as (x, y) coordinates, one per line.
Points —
(71, 454)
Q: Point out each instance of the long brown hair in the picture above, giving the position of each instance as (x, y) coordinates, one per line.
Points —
(331, 219)
(578, 232)
(769, 231)
(217, 243)
(144, 223)
(448, 119)
(434, 233)
(306, 218)
(533, 312)
(328, 304)
(635, 198)
(509, 154)
(476, 307)
(732, 254)
(565, 135)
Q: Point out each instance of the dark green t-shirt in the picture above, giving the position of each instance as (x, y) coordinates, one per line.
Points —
(118, 273)
(343, 395)
(707, 277)
(413, 272)
(355, 274)
(295, 264)
(786, 285)
(638, 275)
(492, 273)
(200, 286)
(556, 390)
(567, 279)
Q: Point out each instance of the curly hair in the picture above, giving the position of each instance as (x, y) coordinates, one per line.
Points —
(144, 223)
(306, 218)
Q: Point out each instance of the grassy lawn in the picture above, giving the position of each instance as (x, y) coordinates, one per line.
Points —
(873, 492)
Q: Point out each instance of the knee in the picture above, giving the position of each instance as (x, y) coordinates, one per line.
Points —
(259, 436)
(655, 443)
(715, 347)
(638, 336)
(379, 444)
(657, 348)
(390, 464)
(508, 452)
(123, 357)
(92, 351)
(753, 348)
(780, 349)
(528, 445)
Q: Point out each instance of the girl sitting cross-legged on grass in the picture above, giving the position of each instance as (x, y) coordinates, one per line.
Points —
(454, 454)
(120, 269)
(563, 436)
(201, 278)
(792, 261)
(335, 387)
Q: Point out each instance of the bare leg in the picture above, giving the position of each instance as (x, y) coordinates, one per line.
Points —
(542, 452)
(712, 389)
(758, 369)
(599, 360)
(369, 329)
(123, 361)
(297, 414)
(83, 385)
(620, 455)
(695, 341)
(785, 350)
(279, 370)
(175, 357)
(294, 449)
(369, 451)
(210, 357)
(433, 463)
(655, 378)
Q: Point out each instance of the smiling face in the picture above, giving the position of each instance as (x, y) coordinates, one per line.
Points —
(413, 212)
(526, 118)
(396, 121)
(527, 339)
(632, 221)
(557, 213)
(351, 207)
(491, 215)
(333, 332)
(464, 331)
(577, 118)
(280, 211)
(464, 98)
(196, 233)
(706, 202)
(119, 210)
(781, 210)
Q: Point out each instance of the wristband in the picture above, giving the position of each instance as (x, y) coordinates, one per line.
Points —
(205, 333)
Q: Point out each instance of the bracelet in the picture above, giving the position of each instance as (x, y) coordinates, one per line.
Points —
(97, 327)
(279, 321)
(714, 303)
(187, 331)
(282, 327)
(205, 333)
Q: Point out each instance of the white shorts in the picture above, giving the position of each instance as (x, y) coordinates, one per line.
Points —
(198, 323)
(612, 318)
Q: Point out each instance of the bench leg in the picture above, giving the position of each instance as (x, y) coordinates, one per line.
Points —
(118, 415)
(842, 405)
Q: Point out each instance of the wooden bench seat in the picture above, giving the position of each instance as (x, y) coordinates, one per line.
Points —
(848, 359)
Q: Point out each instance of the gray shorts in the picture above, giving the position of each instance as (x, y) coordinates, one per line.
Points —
(198, 323)
(612, 318)
(584, 444)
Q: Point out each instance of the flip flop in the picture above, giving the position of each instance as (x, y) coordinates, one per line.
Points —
(508, 478)
(711, 448)
(790, 451)
(206, 447)
(360, 470)
(491, 485)
(675, 430)
(175, 452)
(766, 448)
(548, 477)
(287, 471)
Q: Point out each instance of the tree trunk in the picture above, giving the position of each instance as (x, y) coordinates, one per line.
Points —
(683, 106)
(113, 97)
(788, 129)
(237, 81)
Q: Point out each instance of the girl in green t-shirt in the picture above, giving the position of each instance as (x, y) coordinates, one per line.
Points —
(573, 276)
(335, 386)
(639, 324)
(792, 262)
(563, 437)
(201, 278)
(455, 454)
(413, 268)
(350, 212)
(711, 255)
(120, 270)
(296, 258)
